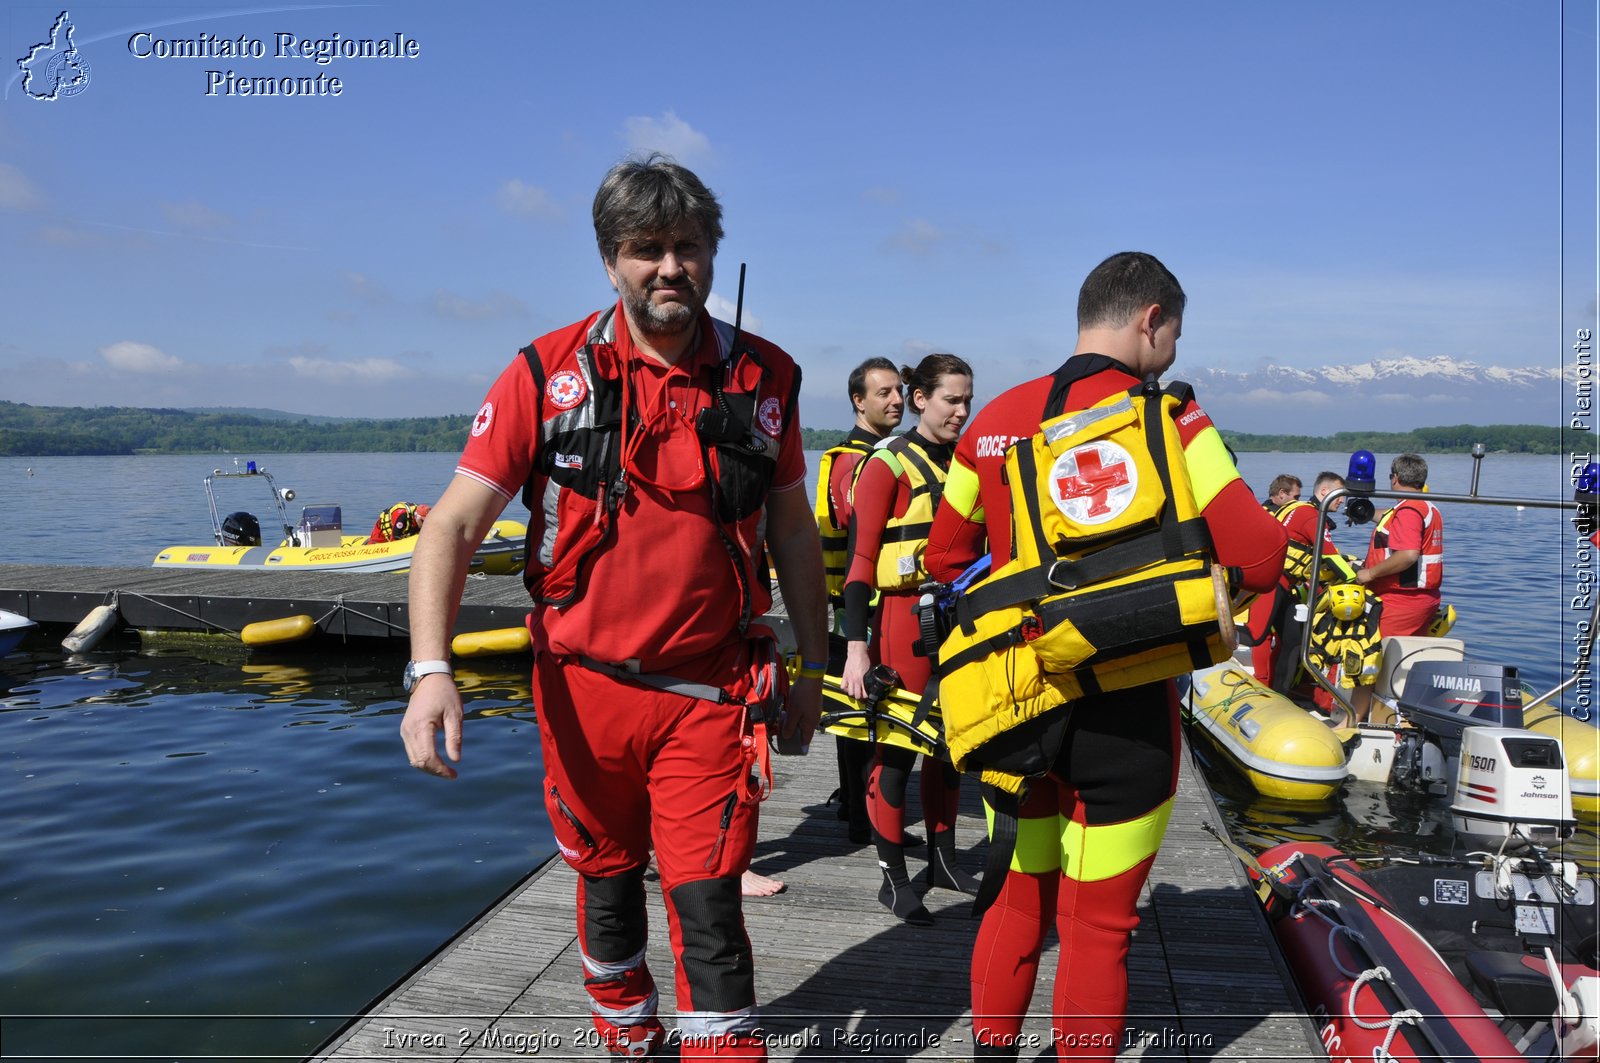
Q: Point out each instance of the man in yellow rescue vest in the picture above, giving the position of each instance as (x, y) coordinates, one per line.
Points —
(1088, 830)
(879, 402)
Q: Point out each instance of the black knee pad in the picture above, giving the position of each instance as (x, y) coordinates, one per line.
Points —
(614, 920)
(716, 951)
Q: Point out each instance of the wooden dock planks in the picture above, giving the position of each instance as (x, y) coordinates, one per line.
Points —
(839, 977)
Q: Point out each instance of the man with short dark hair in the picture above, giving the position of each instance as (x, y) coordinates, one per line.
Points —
(650, 443)
(1088, 830)
(1283, 490)
(875, 393)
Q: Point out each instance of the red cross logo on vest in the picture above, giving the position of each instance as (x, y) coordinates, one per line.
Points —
(481, 423)
(1094, 483)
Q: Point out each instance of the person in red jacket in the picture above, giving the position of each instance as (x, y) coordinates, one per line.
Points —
(1271, 615)
(895, 495)
(1088, 831)
(1405, 562)
(651, 443)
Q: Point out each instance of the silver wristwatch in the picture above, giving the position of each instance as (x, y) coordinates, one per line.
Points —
(415, 670)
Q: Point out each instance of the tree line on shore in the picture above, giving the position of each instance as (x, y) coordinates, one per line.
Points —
(29, 431)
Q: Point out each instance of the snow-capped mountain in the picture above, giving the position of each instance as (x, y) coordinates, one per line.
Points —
(1394, 394)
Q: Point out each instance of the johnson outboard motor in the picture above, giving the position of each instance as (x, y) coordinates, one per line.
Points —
(241, 529)
(1505, 777)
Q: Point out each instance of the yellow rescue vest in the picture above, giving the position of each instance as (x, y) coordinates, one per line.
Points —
(1112, 584)
(905, 538)
(1297, 561)
(835, 535)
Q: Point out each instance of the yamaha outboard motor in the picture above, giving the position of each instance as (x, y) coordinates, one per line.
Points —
(1506, 778)
(1445, 697)
(241, 529)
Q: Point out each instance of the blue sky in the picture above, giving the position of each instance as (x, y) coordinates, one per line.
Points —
(1333, 183)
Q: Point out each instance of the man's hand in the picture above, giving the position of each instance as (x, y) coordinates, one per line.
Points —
(803, 710)
(857, 663)
(435, 705)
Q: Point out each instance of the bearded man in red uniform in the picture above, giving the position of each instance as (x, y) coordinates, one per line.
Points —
(650, 442)
(1088, 831)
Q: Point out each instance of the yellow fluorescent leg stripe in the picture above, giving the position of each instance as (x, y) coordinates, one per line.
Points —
(1038, 843)
(961, 489)
(1090, 854)
(1210, 468)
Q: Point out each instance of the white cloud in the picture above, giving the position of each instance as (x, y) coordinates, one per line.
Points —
(526, 201)
(917, 237)
(130, 357)
(365, 370)
(365, 288)
(16, 191)
(196, 216)
(668, 134)
(498, 304)
(724, 309)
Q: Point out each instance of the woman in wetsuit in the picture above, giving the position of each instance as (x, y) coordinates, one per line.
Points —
(896, 492)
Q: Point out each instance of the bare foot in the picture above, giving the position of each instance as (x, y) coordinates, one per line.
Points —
(754, 885)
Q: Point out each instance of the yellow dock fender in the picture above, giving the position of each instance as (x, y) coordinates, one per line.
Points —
(498, 642)
(277, 632)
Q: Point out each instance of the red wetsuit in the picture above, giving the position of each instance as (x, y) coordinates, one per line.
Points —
(879, 494)
(1300, 521)
(1410, 597)
(1117, 767)
(661, 582)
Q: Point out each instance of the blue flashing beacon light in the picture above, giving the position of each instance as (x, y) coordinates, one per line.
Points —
(250, 467)
(1363, 473)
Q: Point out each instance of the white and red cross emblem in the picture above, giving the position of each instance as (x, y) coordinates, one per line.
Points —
(566, 389)
(1094, 483)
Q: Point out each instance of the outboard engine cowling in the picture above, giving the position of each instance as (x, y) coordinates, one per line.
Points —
(1446, 697)
(1508, 776)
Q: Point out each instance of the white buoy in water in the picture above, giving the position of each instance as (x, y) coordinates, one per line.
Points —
(100, 622)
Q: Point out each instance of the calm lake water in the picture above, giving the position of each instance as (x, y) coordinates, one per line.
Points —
(226, 855)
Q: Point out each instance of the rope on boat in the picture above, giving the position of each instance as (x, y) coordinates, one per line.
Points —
(1408, 1017)
(1322, 908)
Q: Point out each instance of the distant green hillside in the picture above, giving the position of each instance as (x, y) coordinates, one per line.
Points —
(69, 430)
(267, 415)
(101, 430)
(1445, 439)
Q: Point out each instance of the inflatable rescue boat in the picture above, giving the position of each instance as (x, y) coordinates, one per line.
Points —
(316, 542)
(1427, 696)
(1436, 959)
(1281, 748)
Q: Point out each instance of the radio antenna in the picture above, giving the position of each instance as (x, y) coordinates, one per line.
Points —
(738, 311)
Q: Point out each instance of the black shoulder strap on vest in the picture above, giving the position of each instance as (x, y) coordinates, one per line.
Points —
(1074, 369)
(905, 447)
(530, 354)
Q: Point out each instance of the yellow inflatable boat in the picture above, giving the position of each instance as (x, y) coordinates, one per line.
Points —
(1281, 748)
(316, 542)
